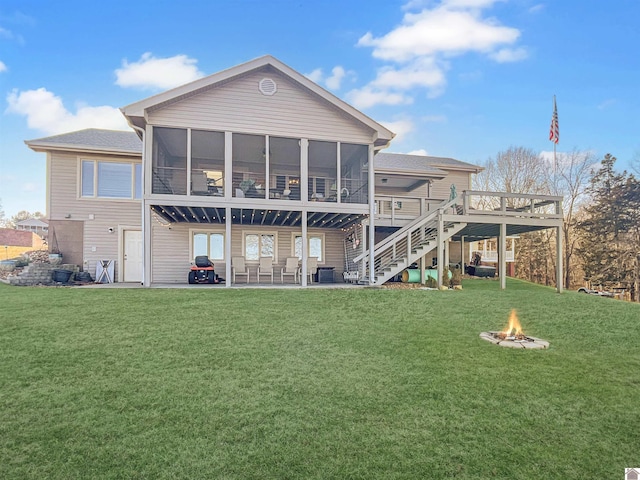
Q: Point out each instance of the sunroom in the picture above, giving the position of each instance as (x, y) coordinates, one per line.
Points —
(251, 167)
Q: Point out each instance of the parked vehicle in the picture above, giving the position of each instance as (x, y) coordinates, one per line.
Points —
(202, 271)
(590, 291)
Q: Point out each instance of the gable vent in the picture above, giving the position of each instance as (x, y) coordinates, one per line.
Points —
(267, 86)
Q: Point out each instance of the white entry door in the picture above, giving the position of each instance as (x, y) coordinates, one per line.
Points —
(132, 256)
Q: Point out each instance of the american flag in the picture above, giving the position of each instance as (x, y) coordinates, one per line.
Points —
(554, 132)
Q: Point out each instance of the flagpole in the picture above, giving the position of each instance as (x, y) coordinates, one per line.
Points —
(555, 168)
(554, 137)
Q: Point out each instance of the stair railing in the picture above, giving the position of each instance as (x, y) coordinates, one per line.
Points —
(400, 243)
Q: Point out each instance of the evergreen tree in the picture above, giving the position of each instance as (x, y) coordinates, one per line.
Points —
(604, 230)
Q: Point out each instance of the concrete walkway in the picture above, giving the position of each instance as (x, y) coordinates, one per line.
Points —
(221, 286)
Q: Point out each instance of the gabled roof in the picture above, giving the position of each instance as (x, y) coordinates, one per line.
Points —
(32, 222)
(91, 139)
(135, 112)
(421, 163)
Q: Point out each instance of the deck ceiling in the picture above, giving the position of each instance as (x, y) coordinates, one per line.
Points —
(483, 231)
(245, 216)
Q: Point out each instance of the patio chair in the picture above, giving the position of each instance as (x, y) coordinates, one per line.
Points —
(290, 269)
(238, 268)
(265, 268)
(312, 267)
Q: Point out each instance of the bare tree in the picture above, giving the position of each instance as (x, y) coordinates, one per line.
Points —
(25, 215)
(516, 170)
(572, 180)
(3, 220)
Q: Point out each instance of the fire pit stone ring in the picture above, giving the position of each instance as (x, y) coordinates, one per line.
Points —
(521, 341)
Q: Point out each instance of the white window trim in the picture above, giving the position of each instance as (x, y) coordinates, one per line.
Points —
(95, 161)
(309, 236)
(193, 231)
(244, 245)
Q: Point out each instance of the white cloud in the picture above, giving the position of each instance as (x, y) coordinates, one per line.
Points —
(3, 66)
(4, 33)
(315, 76)
(46, 112)
(418, 51)
(158, 73)
(423, 72)
(368, 97)
(421, 151)
(9, 35)
(537, 8)
(440, 31)
(401, 128)
(505, 55)
(334, 81)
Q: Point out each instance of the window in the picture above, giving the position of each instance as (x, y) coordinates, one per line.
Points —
(122, 180)
(249, 166)
(258, 245)
(210, 244)
(169, 161)
(207, 163)
(353, 173)
(316, 246)
(323, 171)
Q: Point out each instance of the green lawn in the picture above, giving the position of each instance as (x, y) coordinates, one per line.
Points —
(317, 383)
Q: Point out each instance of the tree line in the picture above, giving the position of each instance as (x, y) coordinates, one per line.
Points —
(601, 208)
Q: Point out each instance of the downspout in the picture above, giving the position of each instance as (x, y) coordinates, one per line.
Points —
(142, 179)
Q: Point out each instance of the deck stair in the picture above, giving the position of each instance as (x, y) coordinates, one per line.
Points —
(407, 245)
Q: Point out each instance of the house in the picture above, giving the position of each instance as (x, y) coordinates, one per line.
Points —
(258, 161)
(14, 243)
(34, 225)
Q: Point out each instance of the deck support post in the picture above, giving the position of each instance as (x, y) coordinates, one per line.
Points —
(372, 213)
(559, 263)
(440, 248)
(363, 248)
(502, 256)
(447, 244)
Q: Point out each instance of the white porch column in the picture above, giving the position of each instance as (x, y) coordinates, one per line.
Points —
(304, 170)
(502, 255)
(228, 167)
(147, 186)
(559, 260)
(440, 247)
(227, 245)
(146, 242)
(372, 213)
(305, 248)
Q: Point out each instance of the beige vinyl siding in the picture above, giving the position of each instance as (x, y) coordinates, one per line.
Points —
(66, 205)
(239, 106)
(441, 189)
(171, 262)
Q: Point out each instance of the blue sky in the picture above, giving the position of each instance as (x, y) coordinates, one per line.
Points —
(457, 78)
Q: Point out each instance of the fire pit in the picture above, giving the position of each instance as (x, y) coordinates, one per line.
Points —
(513, 336)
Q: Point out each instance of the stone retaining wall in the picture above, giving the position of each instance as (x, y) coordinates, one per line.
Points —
(39, 274)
